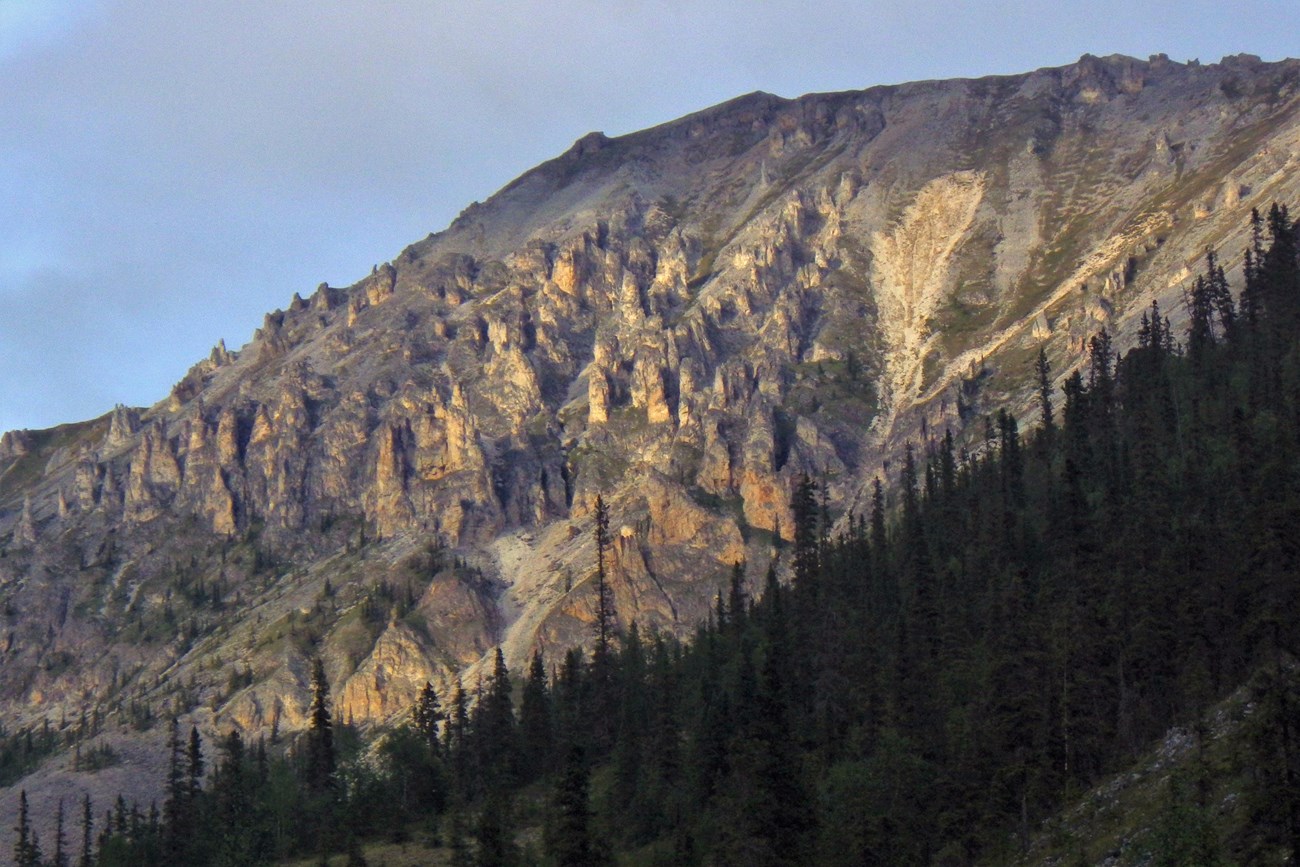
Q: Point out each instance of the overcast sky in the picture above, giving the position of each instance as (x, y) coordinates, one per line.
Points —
(169, 171)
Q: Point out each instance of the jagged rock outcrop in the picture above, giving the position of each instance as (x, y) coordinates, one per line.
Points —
(25, 532)
(122, 425)
(390, 679)
(15, 444)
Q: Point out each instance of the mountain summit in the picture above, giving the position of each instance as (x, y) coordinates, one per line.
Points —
(400, 476)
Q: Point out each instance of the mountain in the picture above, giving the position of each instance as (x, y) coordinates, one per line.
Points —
(400, 476)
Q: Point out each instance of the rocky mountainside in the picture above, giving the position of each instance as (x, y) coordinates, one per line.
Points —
(399, 476)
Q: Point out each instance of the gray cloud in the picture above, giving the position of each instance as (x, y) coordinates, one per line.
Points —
(169, 171)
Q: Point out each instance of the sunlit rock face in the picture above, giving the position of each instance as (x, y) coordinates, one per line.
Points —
(400, 476)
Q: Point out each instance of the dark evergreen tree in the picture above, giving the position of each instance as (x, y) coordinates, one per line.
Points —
(569, 840)
(194, 762)
(238, 837)
(455, 741)
(320, 757)
(877, 533)
(27, 851)
(803, 506)
(178, 813)
(633, 716)
(536, 725)
(1200, 309)
(60, 857)
(660, 803)
(765, 812)
(601, 682)
(1275, 754)
(494, 729)
(606, 618)
(737, 601)
(87, 833)
(427, 716)
(493, 832)
(1043, 372)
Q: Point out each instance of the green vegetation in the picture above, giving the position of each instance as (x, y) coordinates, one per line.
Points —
(843, 391)
(97, 757)
(21, 751)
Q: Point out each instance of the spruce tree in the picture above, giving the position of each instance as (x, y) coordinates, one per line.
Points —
(803, 505)
(536, 732)
(606, 622)
(736, 596)
(1201, 309)
(426, 716)
(60, 858)
(238, 840)
(493, 832)
(494, 729)
(603, 698)
(455, 740)
(571, 698)
(1043, 371)
(1274, 742)
(568, 838)
(177, 806)
(877, 533)
(27, 852)
(633, 713)
(194, 763)
(87, 832)
(1221, 296)
(321, 760)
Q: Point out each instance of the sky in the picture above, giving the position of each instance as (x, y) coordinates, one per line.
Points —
(171, 171)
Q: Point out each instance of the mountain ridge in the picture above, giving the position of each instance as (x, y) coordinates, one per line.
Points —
(685, 319)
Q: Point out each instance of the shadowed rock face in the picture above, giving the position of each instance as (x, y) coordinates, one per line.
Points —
(400, 475)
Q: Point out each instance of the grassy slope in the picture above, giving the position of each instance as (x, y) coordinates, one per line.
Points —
(1125, 819)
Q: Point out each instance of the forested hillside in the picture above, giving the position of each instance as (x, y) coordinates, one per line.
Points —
(1010, 622)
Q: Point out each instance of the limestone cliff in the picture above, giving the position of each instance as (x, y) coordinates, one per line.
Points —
(399, 476)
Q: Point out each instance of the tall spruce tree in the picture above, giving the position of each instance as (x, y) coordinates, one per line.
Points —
(803, 505)
(493, 832)
(569, 840)
(231, 803)
(602, 709)
(27, 850)
(320, 760)
(178, 800)
(194, 762)
(536, 723)
(60, 857)
(494, 729)
(606, 618)
(1043, 374)
(455, 741)
(87, 833)
(426, 716)
(737, 598)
